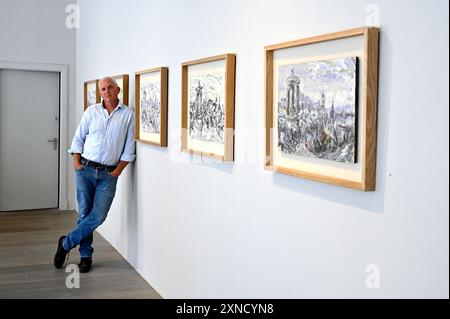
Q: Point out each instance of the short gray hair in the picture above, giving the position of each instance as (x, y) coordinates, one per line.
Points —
(108, 78)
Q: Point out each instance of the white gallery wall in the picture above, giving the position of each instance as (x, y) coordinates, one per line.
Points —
(196, 229)
(34, 31)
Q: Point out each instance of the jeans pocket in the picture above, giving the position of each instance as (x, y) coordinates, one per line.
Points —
(112, 175)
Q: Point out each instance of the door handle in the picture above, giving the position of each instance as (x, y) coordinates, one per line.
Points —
(55, 143)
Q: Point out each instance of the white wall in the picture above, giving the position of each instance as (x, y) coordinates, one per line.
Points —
(233, 230)
(34, 31)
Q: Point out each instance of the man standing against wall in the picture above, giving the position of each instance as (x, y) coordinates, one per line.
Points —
(102, 147)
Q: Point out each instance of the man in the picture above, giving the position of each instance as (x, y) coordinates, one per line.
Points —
(102, 147)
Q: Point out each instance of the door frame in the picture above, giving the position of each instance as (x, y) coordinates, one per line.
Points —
(63, 70)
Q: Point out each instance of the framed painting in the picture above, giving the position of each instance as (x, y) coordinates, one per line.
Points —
(151, 106)
(91, 93)
(207, 120)
(321, 108)
(122, 81)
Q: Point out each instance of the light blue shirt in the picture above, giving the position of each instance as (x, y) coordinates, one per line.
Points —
(106, 138)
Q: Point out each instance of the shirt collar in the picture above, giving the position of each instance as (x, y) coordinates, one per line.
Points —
(119, 105)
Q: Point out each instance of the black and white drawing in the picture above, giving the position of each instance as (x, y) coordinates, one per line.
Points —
(150, 107)
(91, 94)
(207, 107)
(317, 109)
(120, 85)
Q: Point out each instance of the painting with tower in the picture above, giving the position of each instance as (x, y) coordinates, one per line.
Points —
(317, 109)
(207, 107)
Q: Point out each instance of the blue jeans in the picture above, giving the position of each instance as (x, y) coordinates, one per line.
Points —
(95, 192)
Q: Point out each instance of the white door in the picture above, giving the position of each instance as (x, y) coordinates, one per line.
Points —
(29, 140)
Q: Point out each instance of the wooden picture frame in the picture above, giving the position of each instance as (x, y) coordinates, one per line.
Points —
(207, 120)
(151, 127)
(363, 43)
(123, 82)
(89, 95)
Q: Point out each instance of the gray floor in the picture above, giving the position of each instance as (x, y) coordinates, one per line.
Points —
(28, 243)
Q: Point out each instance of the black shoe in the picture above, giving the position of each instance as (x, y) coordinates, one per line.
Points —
(61, 253)
(85, 264)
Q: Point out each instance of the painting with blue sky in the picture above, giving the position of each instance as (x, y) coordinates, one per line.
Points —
(317, 109)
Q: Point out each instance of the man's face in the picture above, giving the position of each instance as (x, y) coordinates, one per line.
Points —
(108, 90)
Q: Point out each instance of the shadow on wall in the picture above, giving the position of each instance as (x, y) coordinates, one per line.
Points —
(370, 201)
(189, 159)
(129, 222)
(152, 147)
(223, 167)
(130, 219)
